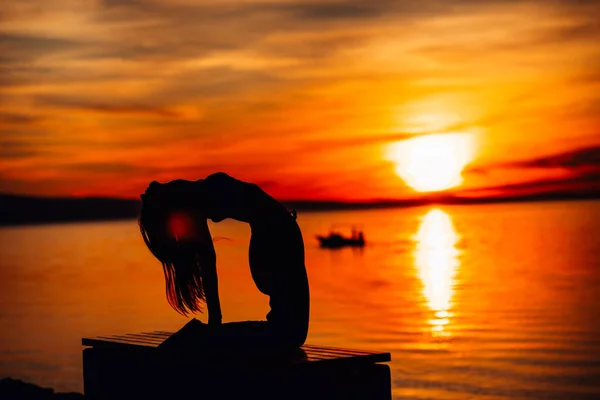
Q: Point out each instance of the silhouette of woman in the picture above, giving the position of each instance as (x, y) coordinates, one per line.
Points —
(173, 223)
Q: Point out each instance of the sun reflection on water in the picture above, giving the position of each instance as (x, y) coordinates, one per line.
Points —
(436, 260)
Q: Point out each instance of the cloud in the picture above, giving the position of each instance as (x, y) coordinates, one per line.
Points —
(119, 107)
(580, 173)
(17, 49)
(214, 84)
(109, 167)
(17, 119)
(587, 182)
(335, 11)
(17, 150)
(586, 157)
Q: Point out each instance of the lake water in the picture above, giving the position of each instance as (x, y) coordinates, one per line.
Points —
(486, 302)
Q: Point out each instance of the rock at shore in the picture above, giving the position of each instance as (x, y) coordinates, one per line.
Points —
(14, 389)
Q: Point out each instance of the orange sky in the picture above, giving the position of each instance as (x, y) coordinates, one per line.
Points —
(304, 98)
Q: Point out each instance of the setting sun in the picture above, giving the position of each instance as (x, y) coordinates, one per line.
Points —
(433, 162)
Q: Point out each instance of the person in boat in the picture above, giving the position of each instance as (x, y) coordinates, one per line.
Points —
(174, 226)
(361, 237)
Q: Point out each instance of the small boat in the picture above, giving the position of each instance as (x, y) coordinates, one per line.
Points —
(336, 240)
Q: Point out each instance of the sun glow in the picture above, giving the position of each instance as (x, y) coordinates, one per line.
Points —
(433, 162)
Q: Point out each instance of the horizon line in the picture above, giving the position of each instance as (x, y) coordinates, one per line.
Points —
(433, 198)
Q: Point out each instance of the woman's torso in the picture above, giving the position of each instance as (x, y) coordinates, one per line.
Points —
(276, 253)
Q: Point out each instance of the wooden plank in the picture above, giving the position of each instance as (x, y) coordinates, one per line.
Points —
(357, 353)
(136, 340)
(316, 347)
(134, 337)
(316, 357)
(166, 334)
(107, 341)
(163, 333)
(147, 335)
(372, 358)
(98, 342)
(321, 352)
(377, 357)
(126, 339)
(314, 353)
(154, 334)
(139, 336)
(306, 346)
(325, 357)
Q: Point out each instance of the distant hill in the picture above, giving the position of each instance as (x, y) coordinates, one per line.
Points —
(19, 210)
(16, 210)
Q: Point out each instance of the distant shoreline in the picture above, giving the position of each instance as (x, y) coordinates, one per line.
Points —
(17, 210)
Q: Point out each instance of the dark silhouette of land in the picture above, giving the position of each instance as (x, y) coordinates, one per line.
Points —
(18, 210)
(21, 210)
(13, 389)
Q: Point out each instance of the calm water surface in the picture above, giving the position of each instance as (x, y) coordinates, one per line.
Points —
(486, 302)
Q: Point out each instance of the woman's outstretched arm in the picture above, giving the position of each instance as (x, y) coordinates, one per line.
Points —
(211, 293)
(201, 239)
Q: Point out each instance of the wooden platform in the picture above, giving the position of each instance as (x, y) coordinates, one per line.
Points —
(132, 366)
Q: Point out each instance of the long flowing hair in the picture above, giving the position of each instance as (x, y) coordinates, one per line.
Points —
(182, 263)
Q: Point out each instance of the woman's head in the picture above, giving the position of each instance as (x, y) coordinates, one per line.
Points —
(175, 230)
